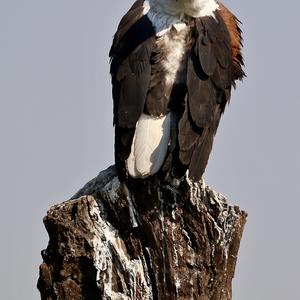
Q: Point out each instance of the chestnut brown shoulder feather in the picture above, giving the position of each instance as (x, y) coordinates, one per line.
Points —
(235, 33)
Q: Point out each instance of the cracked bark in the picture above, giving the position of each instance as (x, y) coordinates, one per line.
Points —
(159, 242)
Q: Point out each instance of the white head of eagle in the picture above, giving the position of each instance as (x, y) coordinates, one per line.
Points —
(173, 64)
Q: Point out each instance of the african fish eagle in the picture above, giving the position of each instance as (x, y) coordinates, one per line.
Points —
(173, 64)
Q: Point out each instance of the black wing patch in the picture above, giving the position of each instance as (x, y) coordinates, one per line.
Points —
(132, 16)
(131, 74)
(138, 33)
(130, 85)
(209, 80)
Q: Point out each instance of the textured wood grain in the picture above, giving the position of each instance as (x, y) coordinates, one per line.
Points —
(155, 242)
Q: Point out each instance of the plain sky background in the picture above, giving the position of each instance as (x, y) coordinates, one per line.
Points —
(56, 133)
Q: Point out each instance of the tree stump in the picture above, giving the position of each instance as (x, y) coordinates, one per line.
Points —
(150, 241)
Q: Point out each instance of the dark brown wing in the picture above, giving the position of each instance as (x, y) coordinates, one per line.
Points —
(133, 15)
(212, 72)
(131, 73)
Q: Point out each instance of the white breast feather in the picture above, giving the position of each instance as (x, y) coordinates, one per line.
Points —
(175, 50)
(179, 8)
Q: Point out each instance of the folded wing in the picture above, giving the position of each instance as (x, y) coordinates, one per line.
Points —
(214, 64)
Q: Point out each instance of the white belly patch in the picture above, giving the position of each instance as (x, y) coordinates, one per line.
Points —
(150, 145)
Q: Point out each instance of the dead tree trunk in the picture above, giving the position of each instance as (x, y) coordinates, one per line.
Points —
(156, 242)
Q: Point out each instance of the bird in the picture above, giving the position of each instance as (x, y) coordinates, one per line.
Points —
(173, 64)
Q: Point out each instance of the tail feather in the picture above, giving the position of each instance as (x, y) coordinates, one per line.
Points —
(201, 155)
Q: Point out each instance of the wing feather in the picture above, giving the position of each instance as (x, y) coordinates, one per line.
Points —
(211, 73)
(132, 16)
(131, 73)
(133, 78)
(236, 41)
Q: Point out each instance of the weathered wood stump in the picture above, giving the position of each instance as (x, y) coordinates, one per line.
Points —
(152, 241)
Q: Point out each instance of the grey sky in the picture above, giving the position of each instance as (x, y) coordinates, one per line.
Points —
(56, 133)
